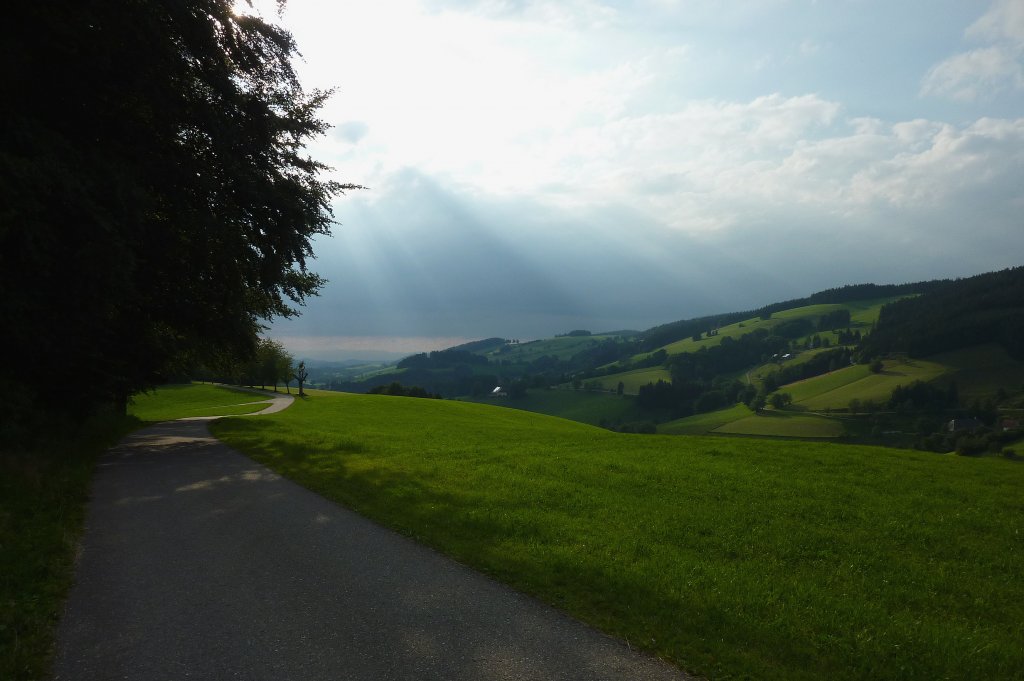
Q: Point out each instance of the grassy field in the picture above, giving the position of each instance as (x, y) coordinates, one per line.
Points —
(731, 557)
(739, 420)
(834, 390)
(783, 424)
(633, 380)
(862, 315)
(171, 402)
(700, 424)
(576, 405)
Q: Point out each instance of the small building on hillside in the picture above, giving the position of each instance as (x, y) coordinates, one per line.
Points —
(498, 392)
(963, 425)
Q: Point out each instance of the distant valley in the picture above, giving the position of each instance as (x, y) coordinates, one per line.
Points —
(882, 364)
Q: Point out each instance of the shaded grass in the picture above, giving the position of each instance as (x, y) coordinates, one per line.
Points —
(43, 489)
(733, 558)
(981, 371)
(46, 468)
(170, 402)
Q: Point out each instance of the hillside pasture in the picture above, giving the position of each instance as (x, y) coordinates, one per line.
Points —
(732, 557)
(776, 423)
(633, 380)
(576, 405)
(862, 314)
(701, 424)
(836, 389)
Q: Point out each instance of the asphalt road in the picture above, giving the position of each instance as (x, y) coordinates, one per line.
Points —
(198, 563)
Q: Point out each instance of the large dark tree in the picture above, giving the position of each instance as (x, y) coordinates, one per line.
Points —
(156, 204)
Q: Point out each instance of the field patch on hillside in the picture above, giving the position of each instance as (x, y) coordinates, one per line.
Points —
(578, 405)
(862, 315)
(836, 389)
(733, 557)
(633, 380)
(773, 423)
(700, 424)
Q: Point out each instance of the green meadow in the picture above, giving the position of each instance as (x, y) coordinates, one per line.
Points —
(732, 557)
(633, 380)
(862, 315)
(562, 347)
(578, 405)
(171, 402)
(699, 424)
(836, 389)
(775, 423)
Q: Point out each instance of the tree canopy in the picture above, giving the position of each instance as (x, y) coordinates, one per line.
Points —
(156, 203)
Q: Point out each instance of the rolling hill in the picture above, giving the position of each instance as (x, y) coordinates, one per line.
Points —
(734, 558)
(811, 357)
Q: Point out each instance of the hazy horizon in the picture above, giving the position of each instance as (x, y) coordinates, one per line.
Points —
(536, 167)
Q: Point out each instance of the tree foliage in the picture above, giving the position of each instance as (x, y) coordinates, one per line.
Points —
(957, 314)
(157, 204)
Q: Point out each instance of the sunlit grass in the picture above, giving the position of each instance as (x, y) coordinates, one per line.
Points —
(171, 402)
(731, 557)
(835, 390)
(633, 380)
(775, 423)
(699, 424)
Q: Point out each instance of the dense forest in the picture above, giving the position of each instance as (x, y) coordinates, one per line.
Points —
(954, 314)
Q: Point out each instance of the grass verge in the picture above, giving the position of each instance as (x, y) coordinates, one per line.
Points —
(45, 473)
(731, 557)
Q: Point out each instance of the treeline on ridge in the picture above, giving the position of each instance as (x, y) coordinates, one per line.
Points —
(665, 334)
(954, 314)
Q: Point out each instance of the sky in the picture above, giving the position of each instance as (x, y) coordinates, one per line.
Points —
(535, 167)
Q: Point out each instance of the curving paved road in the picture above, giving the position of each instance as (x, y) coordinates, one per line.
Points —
(198, 563)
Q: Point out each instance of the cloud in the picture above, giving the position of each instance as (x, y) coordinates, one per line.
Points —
(985, 71)
(350, 131)
(978, 73)
(1004, 20)
(531, 177)
(580, 14)
(421, 257)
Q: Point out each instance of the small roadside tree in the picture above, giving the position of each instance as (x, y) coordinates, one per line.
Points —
(285, 370)
(301, 375)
